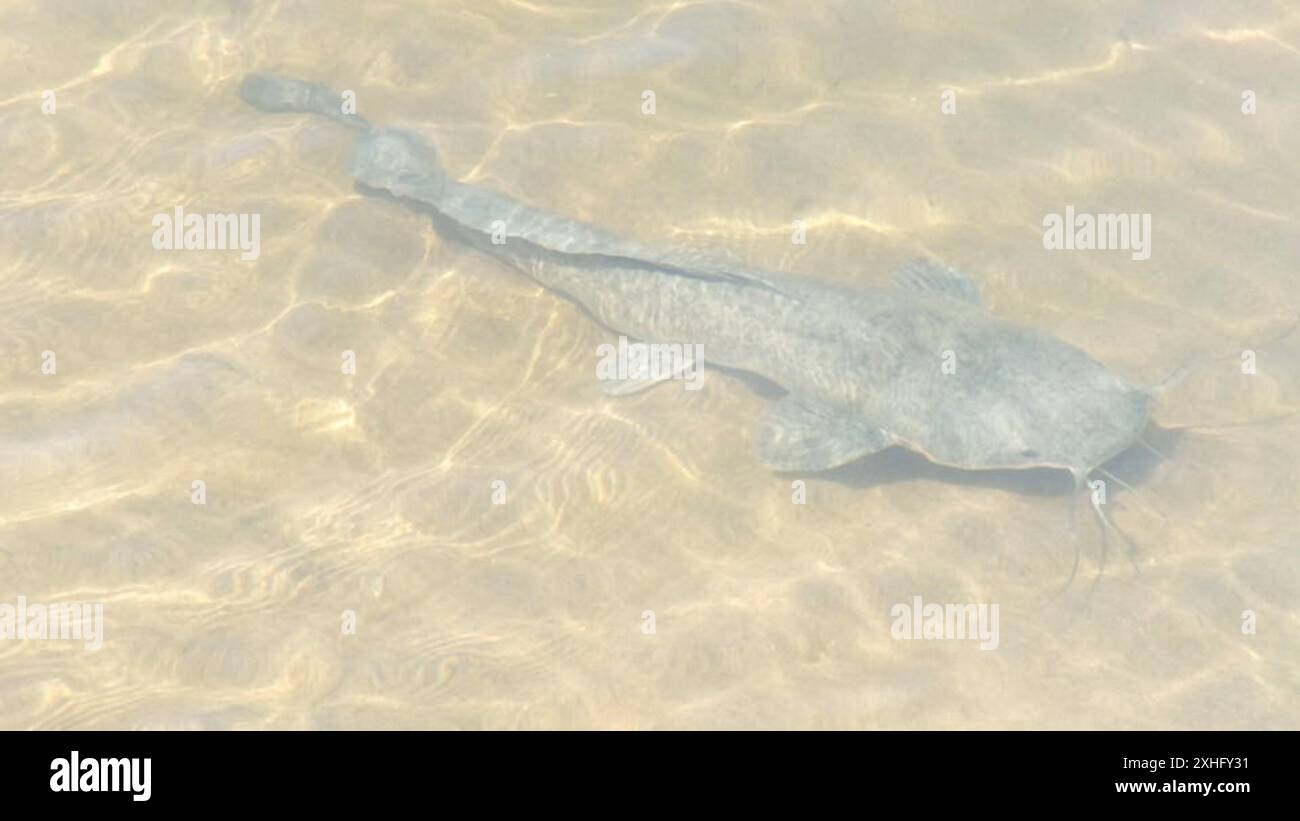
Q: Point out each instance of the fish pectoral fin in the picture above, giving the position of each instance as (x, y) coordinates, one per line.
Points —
(642, 374)
(927, 275)
(803, 436)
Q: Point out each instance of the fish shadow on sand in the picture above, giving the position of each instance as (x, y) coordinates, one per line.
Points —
(1126, 473)
(895, 465)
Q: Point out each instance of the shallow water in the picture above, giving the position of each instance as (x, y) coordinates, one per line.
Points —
(373, 492)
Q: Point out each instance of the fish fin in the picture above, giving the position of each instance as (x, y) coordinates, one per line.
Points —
(802, 436)
(640, 377)
(928, 275)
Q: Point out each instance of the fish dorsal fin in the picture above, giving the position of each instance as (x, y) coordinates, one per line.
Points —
(927, 275)
(803, 436)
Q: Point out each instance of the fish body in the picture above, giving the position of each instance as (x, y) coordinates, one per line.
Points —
(920, 364)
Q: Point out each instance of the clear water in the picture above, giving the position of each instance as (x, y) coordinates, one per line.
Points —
(373, 492)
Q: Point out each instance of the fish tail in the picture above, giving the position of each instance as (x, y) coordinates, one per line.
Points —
(277, 93)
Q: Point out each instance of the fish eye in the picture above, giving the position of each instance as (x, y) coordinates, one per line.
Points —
(1030, 454)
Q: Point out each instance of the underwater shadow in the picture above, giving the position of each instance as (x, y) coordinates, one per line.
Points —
(894, 465)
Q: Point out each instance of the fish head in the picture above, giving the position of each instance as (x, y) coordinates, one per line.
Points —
(1028, 400)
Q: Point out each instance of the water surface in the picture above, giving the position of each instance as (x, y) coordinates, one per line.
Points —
(373, 492)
